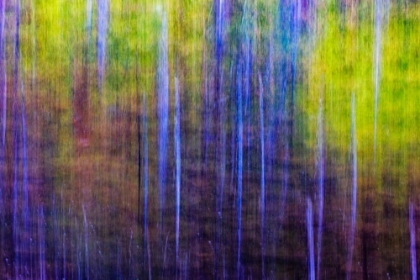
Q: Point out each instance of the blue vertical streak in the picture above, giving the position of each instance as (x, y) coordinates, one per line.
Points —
(412, 242)
(220, 133)
(64, 239)
(163, 111)
(41, 243)
(219, 41)
(78, 250)
(320, 167)
(232, 129)
(261, 104)
(101, 39)
(177, 140)
(354, 184)
(145, 177)
(3, 73)
(222, 149)
(311, 270)
(270, 117)
(287, 33)
(240, 160)
(55, 230)
(296, 33)
(220, 130)
(16, 227)
(16, 49)
(248, 74)
(86, 230)
(25, 210)
(88, 18)
(222, 176)
(271, 143)
(284, 113)
(3, 92)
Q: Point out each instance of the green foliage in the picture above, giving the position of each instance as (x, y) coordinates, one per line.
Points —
(340, 61)
(343, 62)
